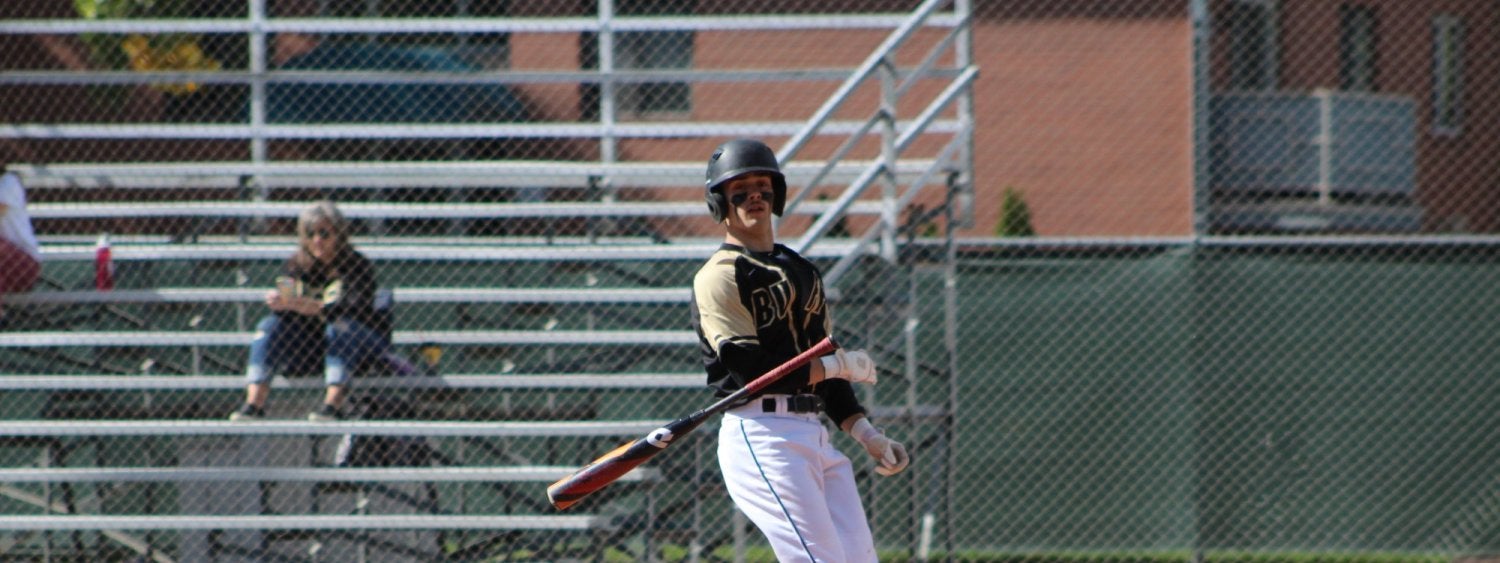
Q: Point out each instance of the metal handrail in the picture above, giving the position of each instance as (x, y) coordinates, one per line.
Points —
(364, 210)
(620, 76)
(467, 130)
(236, 382)
(517, 174)
(462, 24)
(316, 474)
(845, 200)
(894, 144)
(172, 339)
(846, 262)
(430, 429)
(862, 72)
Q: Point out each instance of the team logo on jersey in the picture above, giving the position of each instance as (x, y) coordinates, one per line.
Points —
(661, 438)
(771, 303)
(332, 292)
(815, 301)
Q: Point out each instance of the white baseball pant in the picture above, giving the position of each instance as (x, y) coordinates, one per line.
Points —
(798, 489)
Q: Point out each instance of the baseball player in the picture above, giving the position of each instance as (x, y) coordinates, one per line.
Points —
(757, 304)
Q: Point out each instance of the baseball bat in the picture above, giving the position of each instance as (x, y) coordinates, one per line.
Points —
(619, 461)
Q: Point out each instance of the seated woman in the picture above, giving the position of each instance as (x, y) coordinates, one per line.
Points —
(322, 308)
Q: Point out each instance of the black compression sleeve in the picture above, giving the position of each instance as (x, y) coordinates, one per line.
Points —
(838, 397)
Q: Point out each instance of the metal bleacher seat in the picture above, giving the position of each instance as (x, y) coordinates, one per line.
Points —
(327, 486)
(222, 460)
(223, 469)
(332, 506)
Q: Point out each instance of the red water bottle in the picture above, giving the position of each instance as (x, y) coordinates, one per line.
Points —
(104, 265)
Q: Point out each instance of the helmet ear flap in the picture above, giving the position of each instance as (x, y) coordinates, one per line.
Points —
(717, 206)
(778, 201)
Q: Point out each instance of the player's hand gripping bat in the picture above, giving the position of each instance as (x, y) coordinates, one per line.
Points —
(621, 460)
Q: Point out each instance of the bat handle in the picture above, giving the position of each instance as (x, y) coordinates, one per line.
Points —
(821, 348)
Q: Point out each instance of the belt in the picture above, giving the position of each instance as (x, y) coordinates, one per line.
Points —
(791, 403)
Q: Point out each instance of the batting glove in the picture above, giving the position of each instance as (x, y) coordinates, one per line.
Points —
(889, 455)
(855, 366)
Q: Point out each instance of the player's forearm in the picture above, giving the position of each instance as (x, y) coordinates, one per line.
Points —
(848, 424)
(815, 372)
(307, 306)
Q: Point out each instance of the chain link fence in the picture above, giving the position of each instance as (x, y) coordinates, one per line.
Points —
(1154, 280)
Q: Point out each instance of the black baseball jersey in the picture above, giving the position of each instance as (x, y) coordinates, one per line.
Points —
(346, 287)
(754, 311)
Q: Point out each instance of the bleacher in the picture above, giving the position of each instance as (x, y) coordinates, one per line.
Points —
(556, 291)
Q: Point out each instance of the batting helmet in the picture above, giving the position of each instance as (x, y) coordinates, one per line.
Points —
(737, 158)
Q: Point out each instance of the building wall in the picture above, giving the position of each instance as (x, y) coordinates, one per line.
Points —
(1456, 172)
(1088, 113)
(1083, 106)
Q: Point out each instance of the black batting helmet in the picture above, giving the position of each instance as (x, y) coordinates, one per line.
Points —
(737, 158)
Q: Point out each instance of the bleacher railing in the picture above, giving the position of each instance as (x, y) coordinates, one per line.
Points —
(86, 188)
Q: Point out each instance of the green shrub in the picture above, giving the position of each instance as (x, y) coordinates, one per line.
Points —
(1015, 216)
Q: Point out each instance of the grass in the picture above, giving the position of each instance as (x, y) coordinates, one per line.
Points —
(1185, 556)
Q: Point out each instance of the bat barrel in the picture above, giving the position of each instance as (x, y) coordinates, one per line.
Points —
(601, 472)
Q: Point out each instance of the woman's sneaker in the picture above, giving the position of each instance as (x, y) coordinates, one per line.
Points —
(247, 412)
(325, 413)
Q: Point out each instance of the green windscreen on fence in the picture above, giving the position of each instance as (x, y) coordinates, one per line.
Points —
(1334, 399)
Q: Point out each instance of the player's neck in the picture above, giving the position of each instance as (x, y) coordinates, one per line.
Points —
(754, 242)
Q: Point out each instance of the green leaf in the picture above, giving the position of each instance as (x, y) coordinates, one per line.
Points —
(87, 9)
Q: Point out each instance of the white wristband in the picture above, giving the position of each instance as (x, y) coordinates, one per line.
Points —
(864, 431)
(833, 367)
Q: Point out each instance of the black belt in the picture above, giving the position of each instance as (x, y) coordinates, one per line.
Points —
(793, 403)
